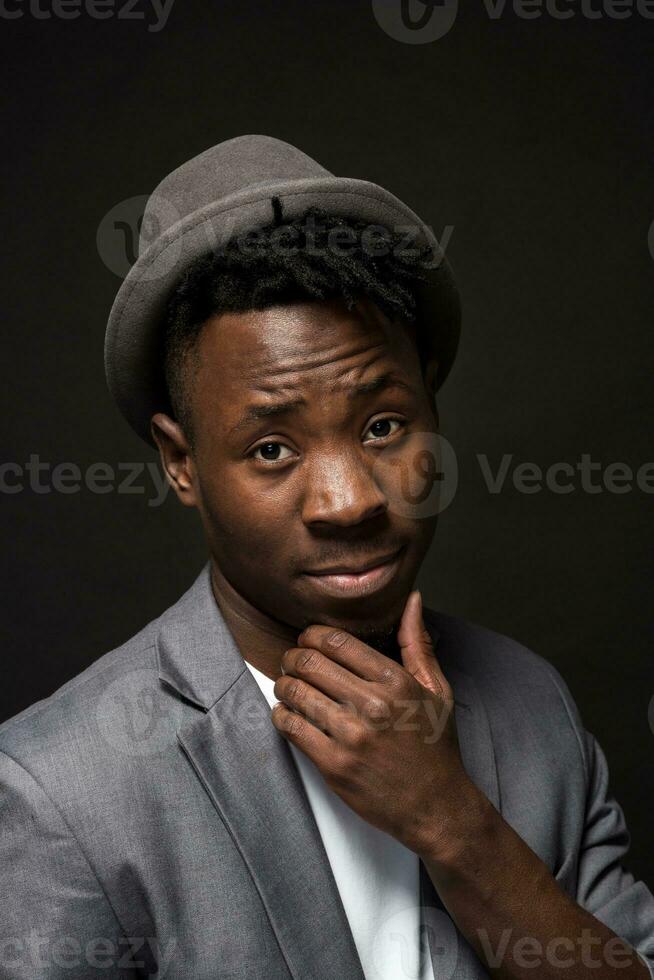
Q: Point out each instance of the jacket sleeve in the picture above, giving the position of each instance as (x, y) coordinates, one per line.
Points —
(55, 920)
(605, 887)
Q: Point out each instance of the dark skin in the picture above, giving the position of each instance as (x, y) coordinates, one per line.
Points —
(323, 492)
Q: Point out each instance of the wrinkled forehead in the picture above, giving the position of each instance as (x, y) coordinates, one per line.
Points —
(302, 343)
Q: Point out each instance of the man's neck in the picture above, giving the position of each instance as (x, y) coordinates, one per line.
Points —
(260, 639)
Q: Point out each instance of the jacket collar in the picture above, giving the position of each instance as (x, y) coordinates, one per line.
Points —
(196, 652)
(248, 771)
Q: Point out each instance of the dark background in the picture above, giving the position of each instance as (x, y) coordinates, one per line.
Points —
(532, 138)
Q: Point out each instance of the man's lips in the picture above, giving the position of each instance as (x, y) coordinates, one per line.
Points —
(368, 577)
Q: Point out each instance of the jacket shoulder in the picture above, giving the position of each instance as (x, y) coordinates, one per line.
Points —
(509, 675)
(484, 652)
(47, 727)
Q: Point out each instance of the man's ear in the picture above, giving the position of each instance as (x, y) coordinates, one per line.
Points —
(176, 457)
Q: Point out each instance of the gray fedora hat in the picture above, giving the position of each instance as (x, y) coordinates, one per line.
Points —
(222, 194)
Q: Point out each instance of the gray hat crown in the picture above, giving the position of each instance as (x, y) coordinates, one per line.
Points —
(244, 162)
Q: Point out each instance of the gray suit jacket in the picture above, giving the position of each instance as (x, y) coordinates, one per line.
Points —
(150, 813)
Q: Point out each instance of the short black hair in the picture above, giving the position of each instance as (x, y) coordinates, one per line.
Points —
(318, 256)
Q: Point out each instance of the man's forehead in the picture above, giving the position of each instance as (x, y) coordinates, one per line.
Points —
(283, 344)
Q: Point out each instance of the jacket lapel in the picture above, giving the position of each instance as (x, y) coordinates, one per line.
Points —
(249, 773)
(478, 755)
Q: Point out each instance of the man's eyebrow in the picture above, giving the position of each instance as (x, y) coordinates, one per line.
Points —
(389, 380)
(255, 413)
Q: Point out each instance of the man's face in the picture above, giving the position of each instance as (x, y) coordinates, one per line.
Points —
(297, 471)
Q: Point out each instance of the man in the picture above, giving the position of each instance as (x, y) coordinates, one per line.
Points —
(423, 799)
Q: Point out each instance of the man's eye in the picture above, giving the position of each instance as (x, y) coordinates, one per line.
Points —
(270, 452)
(381, 429)
(274, 452)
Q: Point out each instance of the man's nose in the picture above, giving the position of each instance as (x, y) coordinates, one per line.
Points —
(341, 489)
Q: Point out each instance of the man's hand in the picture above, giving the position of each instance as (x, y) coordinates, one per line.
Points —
(385, 740)
(382, 735)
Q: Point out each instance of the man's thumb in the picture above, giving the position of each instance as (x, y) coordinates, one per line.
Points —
(416, 645)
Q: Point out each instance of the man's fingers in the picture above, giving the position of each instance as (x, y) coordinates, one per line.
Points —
(417, 647)
(354, 655)
(323, 673)
(320, 710)
(316, 745)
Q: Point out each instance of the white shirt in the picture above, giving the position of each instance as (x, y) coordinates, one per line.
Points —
(377, 877)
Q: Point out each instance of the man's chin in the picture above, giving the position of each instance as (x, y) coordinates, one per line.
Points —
(383, 639)
(381, 636)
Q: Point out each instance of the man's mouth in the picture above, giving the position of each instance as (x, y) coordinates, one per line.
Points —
(358, 579)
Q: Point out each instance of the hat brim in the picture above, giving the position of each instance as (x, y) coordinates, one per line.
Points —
(132, 350)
